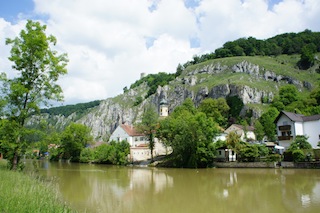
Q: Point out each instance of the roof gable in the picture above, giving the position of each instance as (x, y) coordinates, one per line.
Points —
(297, 117)
(130, 130)
(237, 127)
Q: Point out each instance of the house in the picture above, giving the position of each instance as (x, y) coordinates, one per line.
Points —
(246, 133)
(129, 134)
(290, 125)
(225, 154)
(139, 143)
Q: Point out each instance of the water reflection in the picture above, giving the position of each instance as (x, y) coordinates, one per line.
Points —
(100, 188)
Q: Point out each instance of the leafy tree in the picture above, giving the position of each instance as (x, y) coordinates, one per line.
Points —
(190, 134)
(307, 56)
(258, 130)
(233, 140)
(236, 105)
(73, 139)
(288, 94)
(38, 68)
(217, 109)
(249, 153)
(300, 142)
(267, 120)
(148, 126)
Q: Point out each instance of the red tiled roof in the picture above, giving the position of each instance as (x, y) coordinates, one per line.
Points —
(130, 130)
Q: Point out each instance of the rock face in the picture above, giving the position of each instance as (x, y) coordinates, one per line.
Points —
(111, 112)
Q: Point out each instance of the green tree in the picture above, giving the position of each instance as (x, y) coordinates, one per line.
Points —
(233, 140)
(73, 139)
(300, 142)
(148, 126)
(267, 120)
(217, 109)
(258, 130)
(190, 134)
(38, 68)
(307, 57)
(288, 94)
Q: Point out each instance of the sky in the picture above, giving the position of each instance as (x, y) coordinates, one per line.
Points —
(110, 43)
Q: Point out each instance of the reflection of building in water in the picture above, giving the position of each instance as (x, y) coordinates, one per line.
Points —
(146, 178)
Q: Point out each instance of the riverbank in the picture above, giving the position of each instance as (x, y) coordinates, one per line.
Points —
(24, 193)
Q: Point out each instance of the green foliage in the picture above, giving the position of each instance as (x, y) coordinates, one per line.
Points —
(24, 193)
(288, 94)
(73, 140)
(69, 109)
(300, 142)
(273, 158)
(304, 43)
(258, 130)
(307, 56)
(248, 153)
(190, 134)
(267, 121)
(232, 140)
(236, 105)
(138, 101)
(148, 126)
(153, 81)
(217, 109)
(38, 70)
(114, 153)
(298, 155)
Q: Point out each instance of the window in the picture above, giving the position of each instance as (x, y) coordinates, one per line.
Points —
(141, 139)
(219, 152)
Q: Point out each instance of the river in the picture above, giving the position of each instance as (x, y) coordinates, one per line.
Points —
(102, 188)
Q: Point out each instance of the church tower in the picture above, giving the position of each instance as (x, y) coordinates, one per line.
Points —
(163, 108)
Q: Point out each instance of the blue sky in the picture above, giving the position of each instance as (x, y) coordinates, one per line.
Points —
(9, 9)
(109, 45)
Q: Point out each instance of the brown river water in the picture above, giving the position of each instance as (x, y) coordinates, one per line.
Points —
(103, 188)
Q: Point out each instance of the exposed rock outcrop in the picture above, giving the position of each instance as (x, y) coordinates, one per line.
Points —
(111, 112)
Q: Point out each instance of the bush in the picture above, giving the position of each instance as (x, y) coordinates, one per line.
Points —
(316, 154)
(273, 158)
(298, 155)
(87, 155)
(249, 153)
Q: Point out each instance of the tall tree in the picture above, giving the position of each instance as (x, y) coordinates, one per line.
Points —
(73, 139)
(148, 126)
(217, 109)
(38, 70)
(190, 134)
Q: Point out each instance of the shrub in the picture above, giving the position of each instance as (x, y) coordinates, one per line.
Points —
(298, 155)
(273, 158)
(316, 154)
(249, 153)
(87, 155)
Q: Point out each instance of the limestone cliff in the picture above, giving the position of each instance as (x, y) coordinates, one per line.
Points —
(251, 82)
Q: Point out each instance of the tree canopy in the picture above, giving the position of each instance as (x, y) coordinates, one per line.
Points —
(38, 70)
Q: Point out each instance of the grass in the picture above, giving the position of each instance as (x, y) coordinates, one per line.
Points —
(23, 193)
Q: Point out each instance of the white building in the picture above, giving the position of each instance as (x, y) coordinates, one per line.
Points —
(139, 143)
(246, 133)
(290, 125)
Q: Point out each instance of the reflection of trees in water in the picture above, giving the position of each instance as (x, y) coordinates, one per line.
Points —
(125, 189)
(301, 190)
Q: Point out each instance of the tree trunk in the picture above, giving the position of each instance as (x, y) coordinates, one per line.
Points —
(15, 160)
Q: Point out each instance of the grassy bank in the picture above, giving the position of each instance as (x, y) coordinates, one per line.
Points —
(22, 193)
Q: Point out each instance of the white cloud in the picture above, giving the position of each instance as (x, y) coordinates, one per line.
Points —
(109, 43)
